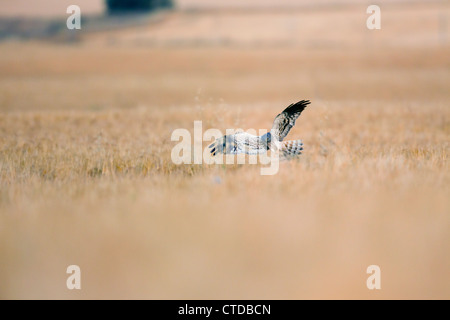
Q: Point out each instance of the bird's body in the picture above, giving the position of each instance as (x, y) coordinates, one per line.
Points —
(240, 142)
(243, 142)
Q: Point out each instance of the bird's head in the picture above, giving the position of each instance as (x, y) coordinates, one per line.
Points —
(266, 139)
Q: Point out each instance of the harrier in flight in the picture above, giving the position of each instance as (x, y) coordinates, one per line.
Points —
(243, 142)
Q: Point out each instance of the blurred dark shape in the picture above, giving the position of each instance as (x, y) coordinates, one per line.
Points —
(35, 29)
(127, 6)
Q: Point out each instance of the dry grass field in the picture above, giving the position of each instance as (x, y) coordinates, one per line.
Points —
(86, 176)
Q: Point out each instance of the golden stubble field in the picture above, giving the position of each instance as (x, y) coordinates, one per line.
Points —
(86, 176)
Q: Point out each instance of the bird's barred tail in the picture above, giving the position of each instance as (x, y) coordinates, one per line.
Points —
(291, 149)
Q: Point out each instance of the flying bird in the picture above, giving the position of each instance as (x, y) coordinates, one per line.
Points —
(243, 142)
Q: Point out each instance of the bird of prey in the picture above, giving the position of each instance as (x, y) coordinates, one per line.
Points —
(243, 142)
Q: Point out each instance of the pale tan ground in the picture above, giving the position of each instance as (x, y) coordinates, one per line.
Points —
(87, 179)
(47, 8)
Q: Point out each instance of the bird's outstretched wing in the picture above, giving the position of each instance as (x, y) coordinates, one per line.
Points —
(284, 122)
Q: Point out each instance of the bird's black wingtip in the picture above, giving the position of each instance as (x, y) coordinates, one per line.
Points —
(302, 104)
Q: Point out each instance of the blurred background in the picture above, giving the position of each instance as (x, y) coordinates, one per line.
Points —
(86, 176)
(227, 49)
